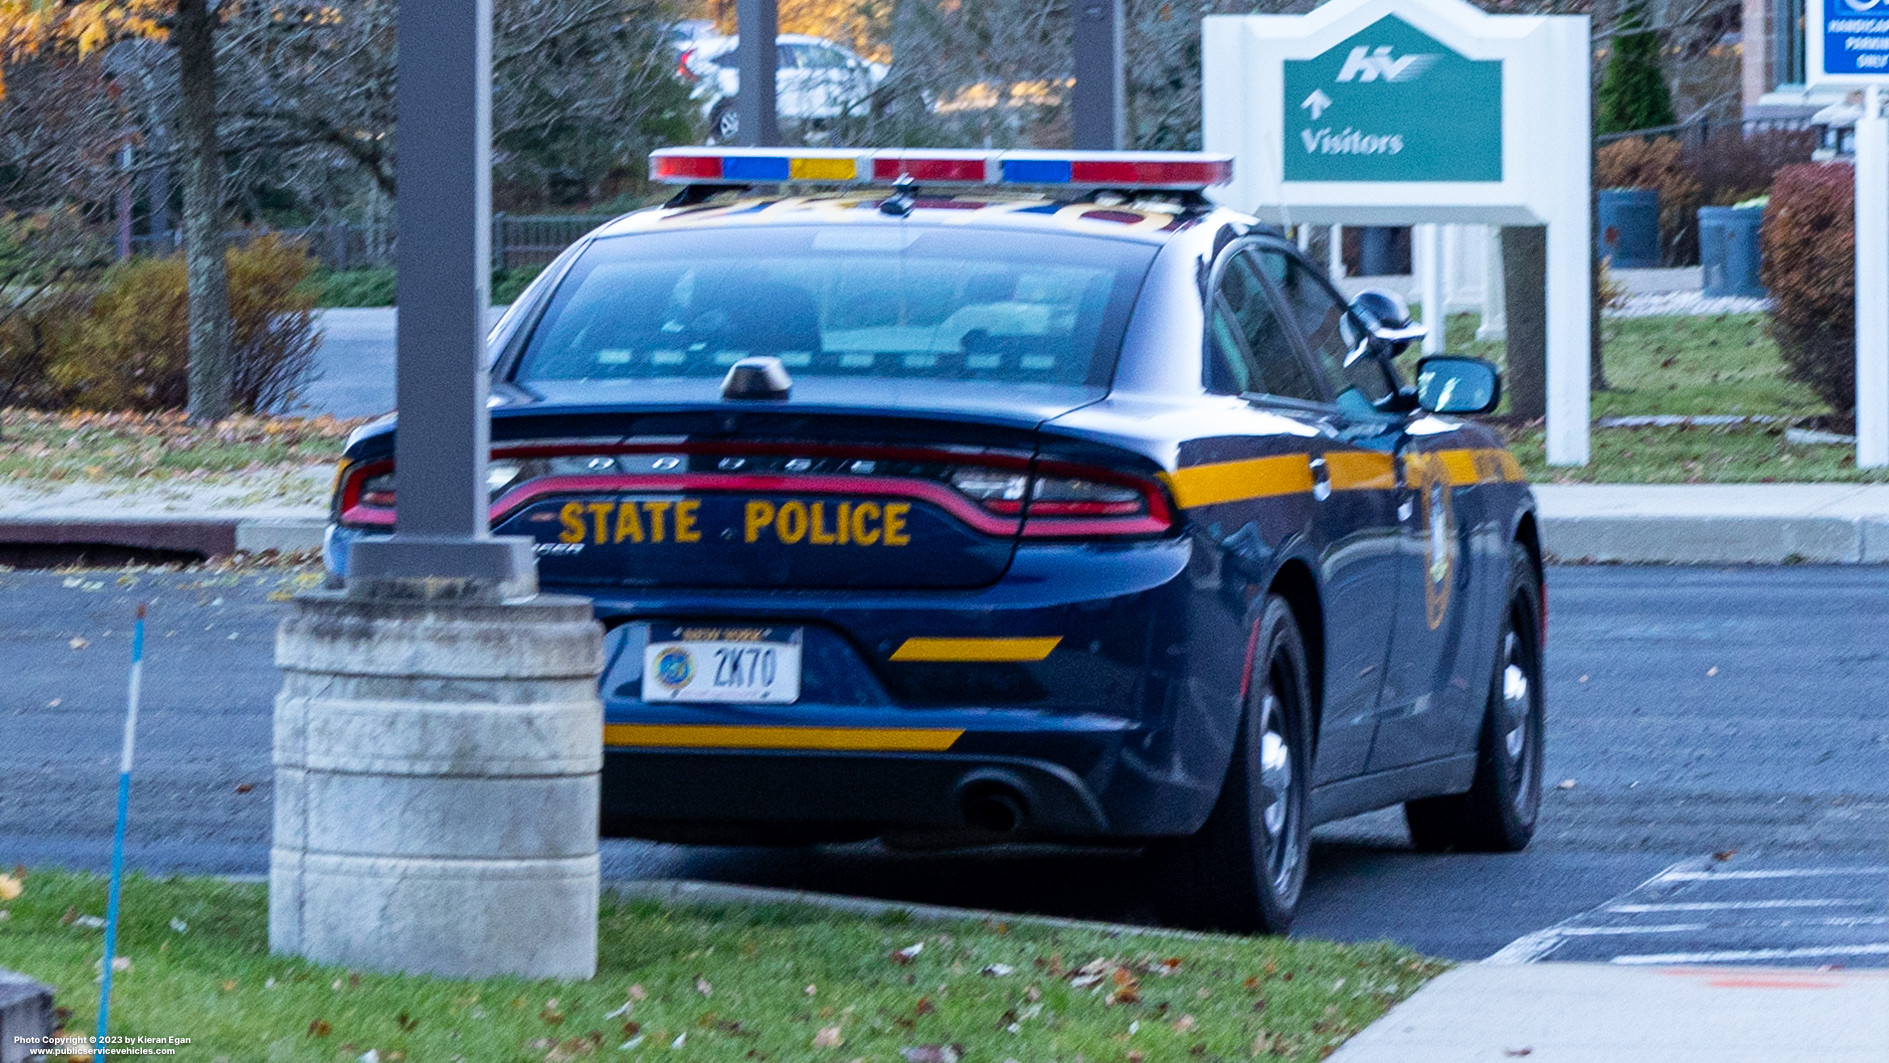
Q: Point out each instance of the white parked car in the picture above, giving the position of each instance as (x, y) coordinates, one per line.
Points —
(815, 80)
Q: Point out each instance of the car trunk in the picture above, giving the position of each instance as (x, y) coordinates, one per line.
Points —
(778, 496)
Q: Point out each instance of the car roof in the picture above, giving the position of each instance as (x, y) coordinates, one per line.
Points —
(984, 210)
(784, 38)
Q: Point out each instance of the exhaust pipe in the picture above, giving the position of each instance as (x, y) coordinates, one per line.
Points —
(993, 804)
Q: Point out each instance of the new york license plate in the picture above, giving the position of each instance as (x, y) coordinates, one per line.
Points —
(686, 662)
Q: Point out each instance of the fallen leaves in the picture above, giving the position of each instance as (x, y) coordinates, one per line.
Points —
(950, 1053)
(319, 1028)
(993, 970)
(907, 954)
(828, 1037)
(10, 888)
(1127, 988)
(702, 986)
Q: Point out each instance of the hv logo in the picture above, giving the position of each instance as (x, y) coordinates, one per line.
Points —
(1392, 103)
(1366, 63)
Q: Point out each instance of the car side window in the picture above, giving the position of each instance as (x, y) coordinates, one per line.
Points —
(1332, 334)
(784, 58)
(1266, 361)
(821, 57)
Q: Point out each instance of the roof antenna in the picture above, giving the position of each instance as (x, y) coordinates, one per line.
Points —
(903, 198)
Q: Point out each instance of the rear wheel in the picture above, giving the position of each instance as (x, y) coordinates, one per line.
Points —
(1245, 868)
(1498, 813)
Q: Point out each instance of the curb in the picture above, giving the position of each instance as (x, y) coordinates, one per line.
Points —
(1682, 540)
(26, 1017)
(695, 892)
(209, 538)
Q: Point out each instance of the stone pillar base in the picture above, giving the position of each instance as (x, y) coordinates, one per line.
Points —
(437, 765)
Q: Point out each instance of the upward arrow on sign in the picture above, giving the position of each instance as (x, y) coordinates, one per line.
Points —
(1316, 103)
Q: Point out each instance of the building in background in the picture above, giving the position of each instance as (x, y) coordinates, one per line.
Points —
(1774, 63)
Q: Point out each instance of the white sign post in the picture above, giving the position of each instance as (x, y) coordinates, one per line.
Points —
(1846, 43)
(1411, 112)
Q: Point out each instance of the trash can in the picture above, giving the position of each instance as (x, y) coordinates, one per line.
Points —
(1629, 227)
(1729, 251)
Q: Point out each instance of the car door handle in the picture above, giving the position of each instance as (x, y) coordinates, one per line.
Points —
(1321, 479)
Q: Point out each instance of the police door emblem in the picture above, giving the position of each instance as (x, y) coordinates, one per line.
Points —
(1429, 480)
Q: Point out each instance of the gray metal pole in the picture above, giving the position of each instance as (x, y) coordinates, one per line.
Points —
(1097, 122)
(444, 90)
(758, 23)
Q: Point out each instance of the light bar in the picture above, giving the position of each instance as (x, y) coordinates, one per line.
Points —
(1153, 170)
(690, 166)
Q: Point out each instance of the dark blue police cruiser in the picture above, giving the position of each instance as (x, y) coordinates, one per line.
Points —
(920, 504)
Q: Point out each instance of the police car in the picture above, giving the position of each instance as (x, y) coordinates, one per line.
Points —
(961, 496)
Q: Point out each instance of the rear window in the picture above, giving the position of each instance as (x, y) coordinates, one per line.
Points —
(873, 300)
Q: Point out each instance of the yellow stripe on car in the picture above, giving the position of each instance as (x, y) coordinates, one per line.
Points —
(1219, 482)
(949, 649)
(1361, 470)
(1235, 481)
(727, 736)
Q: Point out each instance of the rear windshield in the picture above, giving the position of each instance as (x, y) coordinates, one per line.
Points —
(874, 300)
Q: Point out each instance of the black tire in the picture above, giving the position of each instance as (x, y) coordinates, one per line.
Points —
(1244, 869)
(724, 122)
(1498, 813)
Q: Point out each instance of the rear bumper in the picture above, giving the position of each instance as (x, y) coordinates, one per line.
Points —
(762, 797)
(1122, 731)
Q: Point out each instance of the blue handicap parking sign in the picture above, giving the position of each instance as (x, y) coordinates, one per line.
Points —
(1855, 37)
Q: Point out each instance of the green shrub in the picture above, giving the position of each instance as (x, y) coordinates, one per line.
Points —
(1809, 243)
(375, 287)
(353, 287)
(131, 350)
(1633, 92)
(509, 284)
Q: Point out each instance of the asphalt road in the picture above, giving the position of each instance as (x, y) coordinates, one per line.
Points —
(354, 369)
(1693, 712)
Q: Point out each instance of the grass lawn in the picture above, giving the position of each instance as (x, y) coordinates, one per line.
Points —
(1688, 366)
(782, 983)
(50, 450)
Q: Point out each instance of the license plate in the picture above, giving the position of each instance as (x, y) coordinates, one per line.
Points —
(724, 664)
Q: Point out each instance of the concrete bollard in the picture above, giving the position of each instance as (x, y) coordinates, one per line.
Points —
(437, 784)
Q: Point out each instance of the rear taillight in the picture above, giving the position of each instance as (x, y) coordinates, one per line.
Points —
(682, 67)
(997, 493)
(365, 495)
(1073, 502)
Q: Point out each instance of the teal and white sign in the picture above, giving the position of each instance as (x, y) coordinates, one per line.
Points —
(1425, 113)
(1392, 103)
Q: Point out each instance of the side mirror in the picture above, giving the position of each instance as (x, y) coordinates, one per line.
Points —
(1388, 317)
(1449, 383)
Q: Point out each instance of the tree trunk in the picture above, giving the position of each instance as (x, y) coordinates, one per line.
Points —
(1524, 265)
(211, 366)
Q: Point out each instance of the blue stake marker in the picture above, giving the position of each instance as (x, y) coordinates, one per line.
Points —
(118, 835)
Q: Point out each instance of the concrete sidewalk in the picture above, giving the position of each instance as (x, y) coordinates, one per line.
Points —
(1598, 1013)
(1716, 523)
(1635, 523)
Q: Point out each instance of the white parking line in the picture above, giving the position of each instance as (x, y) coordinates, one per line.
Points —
(1732, 906)
(1748, 955)
(1681, 928)
(1538, 945)
(1675, 875)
